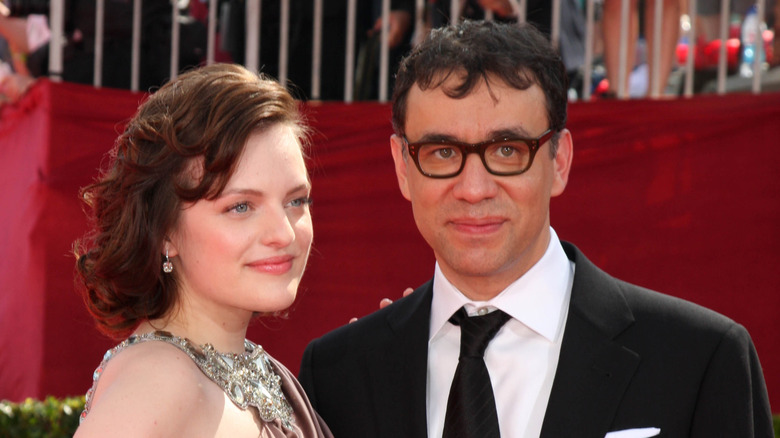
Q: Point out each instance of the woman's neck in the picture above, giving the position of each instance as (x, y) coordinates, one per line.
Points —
(225, 338)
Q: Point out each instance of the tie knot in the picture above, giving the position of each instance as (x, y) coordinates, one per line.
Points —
(476, 332)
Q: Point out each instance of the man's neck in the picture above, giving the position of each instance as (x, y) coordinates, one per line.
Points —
(488, 286)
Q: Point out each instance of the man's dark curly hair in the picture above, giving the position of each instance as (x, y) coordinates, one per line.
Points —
(518, 55)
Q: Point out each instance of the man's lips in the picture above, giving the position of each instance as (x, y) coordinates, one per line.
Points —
(477, 226)
(273, 265)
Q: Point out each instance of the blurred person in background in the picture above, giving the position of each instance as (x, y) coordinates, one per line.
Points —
(20, 37)
(79, 46)
(670, 33)
(333, 43)
(538, 12)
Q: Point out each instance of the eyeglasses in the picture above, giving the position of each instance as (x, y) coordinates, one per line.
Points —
(501, 156)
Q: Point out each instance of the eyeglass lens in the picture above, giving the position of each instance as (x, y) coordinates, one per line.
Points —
(500, 157)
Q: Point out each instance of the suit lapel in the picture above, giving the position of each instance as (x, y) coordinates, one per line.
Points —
(593, 370)
(399, 368)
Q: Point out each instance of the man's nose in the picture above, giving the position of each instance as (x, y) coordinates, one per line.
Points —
(475, 183)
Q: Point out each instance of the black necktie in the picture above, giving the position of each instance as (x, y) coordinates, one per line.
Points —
(471, 407)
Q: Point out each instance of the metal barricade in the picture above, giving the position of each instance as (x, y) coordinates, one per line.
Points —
(253, 26)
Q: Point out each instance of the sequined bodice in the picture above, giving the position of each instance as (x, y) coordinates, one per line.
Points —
(248, 379)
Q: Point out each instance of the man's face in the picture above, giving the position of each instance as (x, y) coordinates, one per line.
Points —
(485, 230)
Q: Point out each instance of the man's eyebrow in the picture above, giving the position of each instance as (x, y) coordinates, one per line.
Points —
(434, 137)
(516, 132)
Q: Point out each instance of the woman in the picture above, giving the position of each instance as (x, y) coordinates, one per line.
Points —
(201, 222)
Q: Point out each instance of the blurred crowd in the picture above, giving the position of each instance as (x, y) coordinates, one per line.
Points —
(24, 41)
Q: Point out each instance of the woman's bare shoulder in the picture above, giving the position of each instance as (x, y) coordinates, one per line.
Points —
(153, 389)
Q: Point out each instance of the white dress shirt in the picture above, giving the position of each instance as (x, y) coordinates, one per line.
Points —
(523, 356)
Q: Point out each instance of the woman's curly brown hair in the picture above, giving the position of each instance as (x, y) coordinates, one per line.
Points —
(205, 116)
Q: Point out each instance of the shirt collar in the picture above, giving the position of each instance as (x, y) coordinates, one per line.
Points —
(537, 299)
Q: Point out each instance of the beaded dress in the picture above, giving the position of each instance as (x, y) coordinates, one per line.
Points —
(252, 380)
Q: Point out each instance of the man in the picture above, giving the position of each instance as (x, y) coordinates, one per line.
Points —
(479, 112)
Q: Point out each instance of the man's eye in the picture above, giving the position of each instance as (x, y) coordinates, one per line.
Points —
(507, 151)
(445, 152)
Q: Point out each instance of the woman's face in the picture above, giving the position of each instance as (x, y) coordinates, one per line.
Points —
(246, 250)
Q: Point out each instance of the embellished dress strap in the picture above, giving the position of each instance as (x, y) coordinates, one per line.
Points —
(248, 379)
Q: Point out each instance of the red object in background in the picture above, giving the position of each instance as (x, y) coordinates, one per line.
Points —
(601, 88)
(769, 47)
(707, 53)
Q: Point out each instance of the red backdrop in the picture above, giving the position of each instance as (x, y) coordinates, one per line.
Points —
(676, 195)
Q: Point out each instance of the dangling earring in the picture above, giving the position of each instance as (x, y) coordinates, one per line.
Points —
(167, 265)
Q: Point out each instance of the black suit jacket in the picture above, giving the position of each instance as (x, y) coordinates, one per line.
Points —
(630, 358)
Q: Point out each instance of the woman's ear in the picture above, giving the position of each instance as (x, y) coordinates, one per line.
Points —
(169, 248)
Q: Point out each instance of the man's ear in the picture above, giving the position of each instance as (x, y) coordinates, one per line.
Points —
(562, 162)
(400, 157)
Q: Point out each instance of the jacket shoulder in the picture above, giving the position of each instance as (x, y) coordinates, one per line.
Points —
(371, 331)
(601, 297)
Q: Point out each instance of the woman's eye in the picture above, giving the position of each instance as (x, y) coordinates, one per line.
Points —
(242, 207)
(300, 202)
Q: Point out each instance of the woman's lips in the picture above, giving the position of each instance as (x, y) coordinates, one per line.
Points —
(273, 265)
